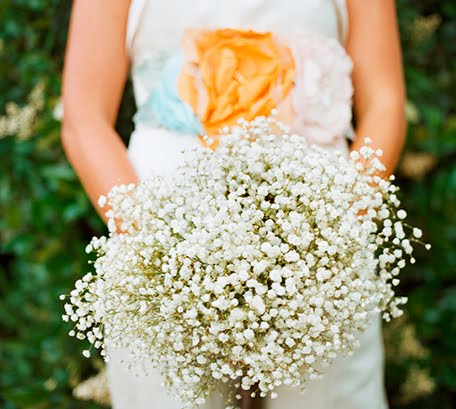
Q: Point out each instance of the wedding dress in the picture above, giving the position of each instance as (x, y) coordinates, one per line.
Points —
(154, 30)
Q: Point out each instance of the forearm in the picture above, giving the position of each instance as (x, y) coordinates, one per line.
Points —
(95, 70)
(374, 46)
(386, 127)
(99, 157)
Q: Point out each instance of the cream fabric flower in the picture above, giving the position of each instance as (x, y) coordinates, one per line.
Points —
(319, 105)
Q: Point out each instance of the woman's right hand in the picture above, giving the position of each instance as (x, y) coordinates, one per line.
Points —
(95, 71)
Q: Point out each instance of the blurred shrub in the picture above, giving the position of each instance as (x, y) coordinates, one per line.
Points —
(46, 219)
(427, 176)
(45, 216)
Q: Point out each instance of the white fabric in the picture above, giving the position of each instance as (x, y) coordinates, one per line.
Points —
(155, 26)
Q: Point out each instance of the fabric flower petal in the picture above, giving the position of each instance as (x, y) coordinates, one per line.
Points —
(319, 106)
(164, 104)
(231, 74)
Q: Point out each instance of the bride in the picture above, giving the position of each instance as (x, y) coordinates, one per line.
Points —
(110, 38)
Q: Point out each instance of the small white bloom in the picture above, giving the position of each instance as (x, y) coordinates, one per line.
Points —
(102, 201)
(249, 334)
(401, 214)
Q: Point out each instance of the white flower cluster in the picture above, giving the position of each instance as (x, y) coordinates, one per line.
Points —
(20, 121)
(95, 388)
(257, 263)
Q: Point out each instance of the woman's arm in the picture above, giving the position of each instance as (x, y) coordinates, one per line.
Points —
(95, 71)
(379, 98)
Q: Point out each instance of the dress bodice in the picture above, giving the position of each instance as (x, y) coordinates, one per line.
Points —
(156, 26)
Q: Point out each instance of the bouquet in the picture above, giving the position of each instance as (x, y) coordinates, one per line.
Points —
(254, 264)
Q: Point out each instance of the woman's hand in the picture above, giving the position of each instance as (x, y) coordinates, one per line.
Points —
(379, 98)
(95, 71)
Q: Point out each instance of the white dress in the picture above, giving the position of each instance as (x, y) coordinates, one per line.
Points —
(154, 28)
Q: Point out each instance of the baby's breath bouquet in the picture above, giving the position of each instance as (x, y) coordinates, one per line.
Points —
(257, 263)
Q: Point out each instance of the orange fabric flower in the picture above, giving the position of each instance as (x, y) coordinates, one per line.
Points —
(230, 74)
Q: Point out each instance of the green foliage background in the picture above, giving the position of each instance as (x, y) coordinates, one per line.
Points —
(46, 219)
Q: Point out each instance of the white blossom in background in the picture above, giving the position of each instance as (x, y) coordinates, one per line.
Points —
(57, 112)
(20, 120)
(94, 388)
(257, 263)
